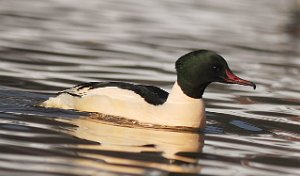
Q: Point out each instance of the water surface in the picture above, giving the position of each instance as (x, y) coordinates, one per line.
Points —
(47, 46)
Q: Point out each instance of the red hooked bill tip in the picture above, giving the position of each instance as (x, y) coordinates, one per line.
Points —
(233, 79)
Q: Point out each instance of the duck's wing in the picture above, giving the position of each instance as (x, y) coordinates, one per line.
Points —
(152, 95)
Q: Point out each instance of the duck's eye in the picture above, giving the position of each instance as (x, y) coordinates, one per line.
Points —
(216, 68)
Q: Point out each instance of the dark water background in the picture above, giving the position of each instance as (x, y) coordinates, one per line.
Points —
(49, 45)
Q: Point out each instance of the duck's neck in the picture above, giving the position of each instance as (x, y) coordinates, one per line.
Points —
(184, 110)
(178, 96)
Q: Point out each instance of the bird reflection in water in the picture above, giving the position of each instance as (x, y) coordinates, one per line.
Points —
(138, 139)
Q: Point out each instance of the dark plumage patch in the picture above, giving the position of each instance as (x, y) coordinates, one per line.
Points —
(152, 95)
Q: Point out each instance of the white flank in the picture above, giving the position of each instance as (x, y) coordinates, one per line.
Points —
(178, 110)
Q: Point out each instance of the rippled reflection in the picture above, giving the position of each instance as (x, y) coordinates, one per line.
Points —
(165, 141)
(121, 140)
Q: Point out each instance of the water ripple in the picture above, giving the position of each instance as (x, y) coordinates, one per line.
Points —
(47, 46)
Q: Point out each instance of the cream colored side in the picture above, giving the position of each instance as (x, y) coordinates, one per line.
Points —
(178, 110)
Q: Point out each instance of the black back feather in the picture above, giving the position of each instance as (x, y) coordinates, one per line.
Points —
(152, 95)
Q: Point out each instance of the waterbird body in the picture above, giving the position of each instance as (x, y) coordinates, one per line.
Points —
(183, 106)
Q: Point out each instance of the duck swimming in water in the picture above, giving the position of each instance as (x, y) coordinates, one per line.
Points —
(183, 106)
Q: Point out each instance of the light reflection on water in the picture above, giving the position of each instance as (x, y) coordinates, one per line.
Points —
(140, 140)
(47, 46)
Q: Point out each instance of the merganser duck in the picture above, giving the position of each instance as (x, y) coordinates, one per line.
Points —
(184, 106)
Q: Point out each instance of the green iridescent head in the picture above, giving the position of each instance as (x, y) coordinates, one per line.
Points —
(197, 69)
